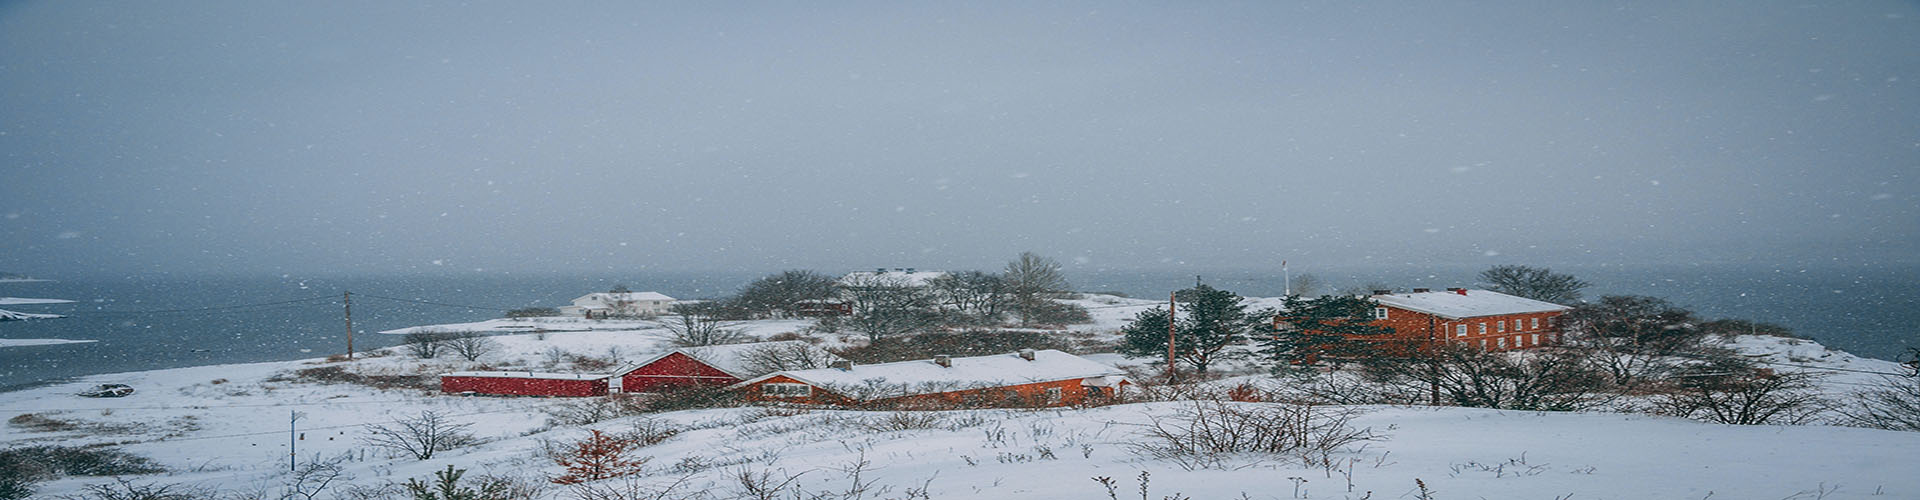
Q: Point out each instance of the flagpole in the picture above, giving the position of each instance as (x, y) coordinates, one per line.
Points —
(1288, 277)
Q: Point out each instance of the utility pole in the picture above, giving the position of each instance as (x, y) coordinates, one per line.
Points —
(347, 299)
(1286, 279)
(293, 457)
(1172, 305)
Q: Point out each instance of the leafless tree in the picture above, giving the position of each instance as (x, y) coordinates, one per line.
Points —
(1031, 281)
(781, 294)
(471, 345)
(1537, 283)
(785, 356)
(314, 477)
(425, 344)
(885, 306)
(1894, 405)
(694, 324)
(1634, 339)
(1546, 379)
(982, 296)
(1745, 397)
(419, 436)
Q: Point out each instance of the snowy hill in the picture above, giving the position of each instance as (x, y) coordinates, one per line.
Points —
(227, 427)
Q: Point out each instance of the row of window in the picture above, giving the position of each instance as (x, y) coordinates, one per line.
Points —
(1519, 341)
(1501, 326)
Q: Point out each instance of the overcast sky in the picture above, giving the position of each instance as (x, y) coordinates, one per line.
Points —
(368, 137)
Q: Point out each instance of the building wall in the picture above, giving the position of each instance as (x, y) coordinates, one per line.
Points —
(674, 371)
(1414, 327)
(521, 386)
(755, 392)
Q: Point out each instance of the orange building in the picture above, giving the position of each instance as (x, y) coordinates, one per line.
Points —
(1481, 318)
(1028, 377)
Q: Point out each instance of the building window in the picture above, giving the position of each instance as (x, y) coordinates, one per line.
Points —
(1483, 344)
(786, 390)
(1500, 326)
(1053, 394)
(1536, 323)
(1503, 342)
(1460, 331)
(1536, 339)
(1519, 341)
(1483, 328)
(1379, 313)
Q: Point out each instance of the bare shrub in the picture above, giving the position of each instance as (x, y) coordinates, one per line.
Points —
(127, 489)
(419, 436)
(1895, 405)
(1203, 433)
(1550, 380)
(340, 375)
(903, 421)
(314, 477)
(533, 312)
(41, 423)
(427, 344)
(650, 431)
(1746, 397)
(599, 456)
(471, 345)
(588, 411)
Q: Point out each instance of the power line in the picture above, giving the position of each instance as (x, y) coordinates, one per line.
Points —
(432, 303)
(205, 309)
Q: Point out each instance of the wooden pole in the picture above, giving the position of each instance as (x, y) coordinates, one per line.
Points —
(1172, 305)
(347, 299)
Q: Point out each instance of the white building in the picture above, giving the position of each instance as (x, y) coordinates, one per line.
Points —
(605, 304)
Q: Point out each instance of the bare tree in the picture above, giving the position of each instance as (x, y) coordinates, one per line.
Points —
(1894, 405)
(1724, 393)
(314, 477)
(1551, 380)
(419, 436)
(885, 306)
(785, 356)
(695, 325)
(1633, 338)
(471, 345)
(1032, 280)
(781, 294)
(425, 344)
(983, 296)
(1537, 283)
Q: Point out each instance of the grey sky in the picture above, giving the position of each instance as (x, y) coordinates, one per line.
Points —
(531, 136)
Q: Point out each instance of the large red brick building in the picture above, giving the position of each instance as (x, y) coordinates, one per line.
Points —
(1481, 318)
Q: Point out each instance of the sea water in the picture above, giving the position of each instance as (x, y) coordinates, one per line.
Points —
(162, 321)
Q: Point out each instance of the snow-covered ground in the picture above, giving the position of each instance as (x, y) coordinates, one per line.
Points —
(4, 301)
(228, 427)
(28, 342)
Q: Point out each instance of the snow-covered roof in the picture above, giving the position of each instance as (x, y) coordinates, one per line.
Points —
(539, 375)
(925, 376)
(1471, 304)
(610, 297)
(733, 359)
(865, 278)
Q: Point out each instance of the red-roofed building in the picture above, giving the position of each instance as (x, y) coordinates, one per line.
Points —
(1481, 318)
(1037, 378)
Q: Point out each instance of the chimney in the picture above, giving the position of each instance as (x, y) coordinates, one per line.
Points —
(1026, 354)
(842, 365)
(1421, 290)
(1382, 292)
(943, 360)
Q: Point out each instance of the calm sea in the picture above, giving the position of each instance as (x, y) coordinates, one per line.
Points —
(152, 322)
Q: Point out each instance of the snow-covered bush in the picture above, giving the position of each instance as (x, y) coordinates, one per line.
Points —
(1204, 434)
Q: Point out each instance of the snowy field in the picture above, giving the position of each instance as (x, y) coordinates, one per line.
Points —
(228, 427)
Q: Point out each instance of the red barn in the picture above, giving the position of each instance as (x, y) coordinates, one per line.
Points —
(1044, 378)
(1486, 319)
(525, 383)
(719, 365)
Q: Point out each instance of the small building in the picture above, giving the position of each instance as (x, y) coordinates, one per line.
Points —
(1025, 378)
(1481, 318)
(619, 304)
(718, 366)
(525, 383)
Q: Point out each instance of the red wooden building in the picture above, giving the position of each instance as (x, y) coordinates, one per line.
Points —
(525, 383)
(1486, 319)
(719, 365)
(1043, 378)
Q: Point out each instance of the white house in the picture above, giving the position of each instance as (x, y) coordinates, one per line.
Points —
(605, 304)
(908, 277)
